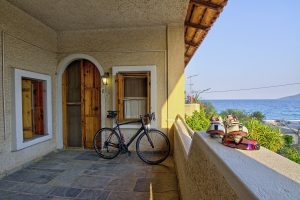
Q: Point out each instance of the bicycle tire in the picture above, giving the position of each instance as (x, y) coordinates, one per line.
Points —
(157, 153)
(108, 134)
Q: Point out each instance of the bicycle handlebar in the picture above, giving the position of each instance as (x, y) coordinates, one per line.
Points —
(151, 116)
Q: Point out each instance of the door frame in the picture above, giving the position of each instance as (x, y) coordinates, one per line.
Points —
(63, 64)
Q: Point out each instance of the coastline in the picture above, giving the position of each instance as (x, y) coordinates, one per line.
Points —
(272, 109)
(287, 127)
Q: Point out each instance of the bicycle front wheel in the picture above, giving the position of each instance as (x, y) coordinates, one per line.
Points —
(153, 147)
(106, 143)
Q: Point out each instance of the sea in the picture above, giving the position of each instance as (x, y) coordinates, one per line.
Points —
(273, 109)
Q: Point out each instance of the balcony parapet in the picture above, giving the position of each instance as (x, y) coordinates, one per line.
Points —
(208, 170)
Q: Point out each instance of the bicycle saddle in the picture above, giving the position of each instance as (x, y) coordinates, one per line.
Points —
(112, 114)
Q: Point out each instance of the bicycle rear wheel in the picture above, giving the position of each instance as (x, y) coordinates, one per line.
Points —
(106, 143)
(153, 147)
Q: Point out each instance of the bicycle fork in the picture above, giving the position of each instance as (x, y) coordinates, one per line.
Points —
(149, 140)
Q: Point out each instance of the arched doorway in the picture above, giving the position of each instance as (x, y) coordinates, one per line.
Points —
(81, 103)
(63, 64)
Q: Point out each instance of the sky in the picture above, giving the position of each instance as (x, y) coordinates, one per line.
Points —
(252, 44)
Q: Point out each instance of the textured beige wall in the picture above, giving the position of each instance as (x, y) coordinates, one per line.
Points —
(32, 46)
(36, 54)
(197, 175)
(136, 47)
(113, 40)
(122, 47)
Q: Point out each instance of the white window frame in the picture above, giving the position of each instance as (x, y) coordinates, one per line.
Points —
(148, 68)
(18, 141)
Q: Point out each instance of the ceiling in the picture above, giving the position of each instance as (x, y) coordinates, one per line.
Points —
(64, 15)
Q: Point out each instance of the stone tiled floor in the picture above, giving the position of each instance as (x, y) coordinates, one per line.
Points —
(72, 174)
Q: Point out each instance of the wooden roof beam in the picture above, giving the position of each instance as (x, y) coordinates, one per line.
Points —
(208, 4)
(191, 43)
(197, 26)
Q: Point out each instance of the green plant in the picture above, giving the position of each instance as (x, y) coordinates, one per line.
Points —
(198, 121)
(288, 140)
(290, 153)
(209, 109)
(258, 115)
(241, 115)
(265, 135)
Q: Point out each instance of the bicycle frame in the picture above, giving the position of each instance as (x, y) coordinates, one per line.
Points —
(117, 128)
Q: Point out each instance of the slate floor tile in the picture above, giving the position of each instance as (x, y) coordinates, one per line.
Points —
(49, 165)
(99, 173)
(6, 195)
(104, 167)
(94, 194)
(87, 155)
(91, 182)
(64, 191)
(31, 188)
(32, 176)
(81, 175)
(121, 184)
(66, 178)
(6, 185)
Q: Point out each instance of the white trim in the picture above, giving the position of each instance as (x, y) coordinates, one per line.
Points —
(18, 142)
(63, 64)
(148, 68)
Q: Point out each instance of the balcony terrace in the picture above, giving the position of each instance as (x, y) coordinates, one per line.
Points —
(200, 168)
(73, 174)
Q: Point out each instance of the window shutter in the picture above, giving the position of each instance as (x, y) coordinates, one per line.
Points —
(148, 92)
(27, 108)
(120, 96)
(38, 107)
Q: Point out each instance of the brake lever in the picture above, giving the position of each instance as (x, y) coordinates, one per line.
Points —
(153, 116)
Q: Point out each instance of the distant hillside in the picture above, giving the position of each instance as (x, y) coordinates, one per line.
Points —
(293, 97)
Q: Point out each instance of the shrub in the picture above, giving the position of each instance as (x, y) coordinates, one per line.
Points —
(198, 121)
(209, 109)
(241, 115)
(290, 153)
(288, 140)
(265, 135)
(258, 115)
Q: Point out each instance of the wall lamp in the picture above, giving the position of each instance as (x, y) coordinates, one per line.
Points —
(105, 78)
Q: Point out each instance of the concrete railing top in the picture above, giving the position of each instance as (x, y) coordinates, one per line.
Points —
(262, 173)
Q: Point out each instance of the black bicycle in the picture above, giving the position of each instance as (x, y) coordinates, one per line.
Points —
(152, 145)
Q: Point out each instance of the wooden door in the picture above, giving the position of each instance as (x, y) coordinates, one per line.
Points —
(81, 104)
(71, 86)
(90, 101)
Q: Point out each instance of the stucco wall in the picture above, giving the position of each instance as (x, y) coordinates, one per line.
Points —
(29, 45)
(198, 176)
(136, 47)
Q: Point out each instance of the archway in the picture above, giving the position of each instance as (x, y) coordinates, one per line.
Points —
(61, 69)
